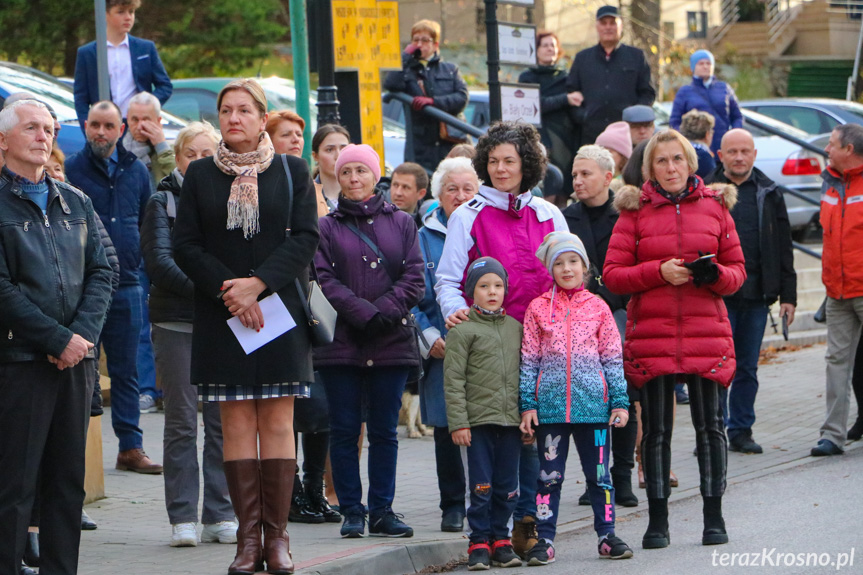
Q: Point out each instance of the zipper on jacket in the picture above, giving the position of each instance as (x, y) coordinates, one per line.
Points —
(47, 224)
(677, 294)
(26, 226)
(568, 364)
(604, 387)
(536, 391)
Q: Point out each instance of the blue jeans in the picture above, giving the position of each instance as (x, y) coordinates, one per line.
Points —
(492, 466)
(146, 360)
(346, 386)
(748, 320)
(593, 442)
(120, 339)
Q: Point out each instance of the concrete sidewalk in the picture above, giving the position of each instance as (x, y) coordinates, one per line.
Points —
(134, 531)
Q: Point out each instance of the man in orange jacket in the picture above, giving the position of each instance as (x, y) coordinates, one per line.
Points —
(842, 274)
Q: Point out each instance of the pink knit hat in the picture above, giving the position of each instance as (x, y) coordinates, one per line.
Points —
(364, 154)
(615, 137)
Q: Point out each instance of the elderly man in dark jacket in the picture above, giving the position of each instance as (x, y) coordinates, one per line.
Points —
(608, 77)
(592, 219)
(431, 82)
(119, 186)
(55, 284)
(765, 236)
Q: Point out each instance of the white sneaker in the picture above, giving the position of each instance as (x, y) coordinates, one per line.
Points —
(146, 403)
(184, 535)
(221, 532)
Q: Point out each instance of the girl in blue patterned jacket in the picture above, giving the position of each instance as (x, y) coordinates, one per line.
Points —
(571, 384)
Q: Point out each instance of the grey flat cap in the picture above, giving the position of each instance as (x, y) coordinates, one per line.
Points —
(639, 114)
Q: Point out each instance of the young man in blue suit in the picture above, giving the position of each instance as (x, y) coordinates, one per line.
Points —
(133, 64)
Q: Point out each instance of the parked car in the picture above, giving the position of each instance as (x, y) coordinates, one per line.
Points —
(812, 115)
(195, 99)
(58, 95)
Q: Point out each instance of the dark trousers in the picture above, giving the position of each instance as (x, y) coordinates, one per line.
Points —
(450, 471)
(594, 447)
(657, 420)
(857, 378)
(345, 389)
(748, 320)
(43, 420)
(120, 338)
(492, 467)
(623, 446)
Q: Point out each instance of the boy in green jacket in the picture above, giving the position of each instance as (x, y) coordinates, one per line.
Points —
(481, 373)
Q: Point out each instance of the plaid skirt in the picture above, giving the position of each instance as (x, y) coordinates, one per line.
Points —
(208, 392)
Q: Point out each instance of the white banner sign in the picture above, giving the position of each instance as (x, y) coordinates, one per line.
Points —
(518, 2)
(520, 102)
(517, 44)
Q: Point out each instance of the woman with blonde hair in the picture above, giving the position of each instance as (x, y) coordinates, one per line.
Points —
(676, 251)
(246, 230)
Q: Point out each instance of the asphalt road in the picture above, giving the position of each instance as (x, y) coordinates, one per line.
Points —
(776, 524)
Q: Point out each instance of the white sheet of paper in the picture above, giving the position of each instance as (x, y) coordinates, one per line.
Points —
(277, 320)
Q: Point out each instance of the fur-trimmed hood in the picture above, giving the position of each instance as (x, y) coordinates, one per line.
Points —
(630, 198)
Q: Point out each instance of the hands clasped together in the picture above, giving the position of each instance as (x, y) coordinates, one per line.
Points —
(241, 298)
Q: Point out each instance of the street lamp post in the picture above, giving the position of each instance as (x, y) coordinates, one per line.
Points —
(493, 51)
(328, 94)
(102, 50)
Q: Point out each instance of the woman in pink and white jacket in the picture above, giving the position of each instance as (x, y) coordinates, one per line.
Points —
(572, 384)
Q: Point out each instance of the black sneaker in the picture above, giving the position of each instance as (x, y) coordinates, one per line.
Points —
(478, 557)
(389, 525)
(614, 547)
(541, 554)
(585, 498)
(503, 555)
(354, 526)
(744, 444)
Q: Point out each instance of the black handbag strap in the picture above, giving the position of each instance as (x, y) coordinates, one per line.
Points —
(304, 300)
(374, 247)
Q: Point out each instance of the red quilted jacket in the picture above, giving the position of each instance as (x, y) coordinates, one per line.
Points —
(675, 329)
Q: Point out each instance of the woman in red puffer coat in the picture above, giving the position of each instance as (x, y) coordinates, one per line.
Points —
(677, 325)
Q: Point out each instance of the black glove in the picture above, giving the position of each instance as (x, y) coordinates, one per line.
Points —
(96, 400)
(704, 270)
(377, 325)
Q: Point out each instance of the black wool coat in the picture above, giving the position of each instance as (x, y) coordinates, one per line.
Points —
(209, 254)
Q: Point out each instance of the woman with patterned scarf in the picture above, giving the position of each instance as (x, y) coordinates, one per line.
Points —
(230, 238)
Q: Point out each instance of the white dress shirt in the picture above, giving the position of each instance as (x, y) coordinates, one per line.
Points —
(120, 72)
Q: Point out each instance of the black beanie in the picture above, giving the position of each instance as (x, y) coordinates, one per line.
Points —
(479, 268)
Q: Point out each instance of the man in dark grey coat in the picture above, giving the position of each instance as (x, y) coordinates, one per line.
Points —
(608, 77)
(55, 284)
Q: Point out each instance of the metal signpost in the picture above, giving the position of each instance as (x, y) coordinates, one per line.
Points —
(510, 43)
(104, 82)
(366, 34)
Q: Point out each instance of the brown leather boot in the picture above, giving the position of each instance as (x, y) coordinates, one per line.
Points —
(277, 482)
(244, 484)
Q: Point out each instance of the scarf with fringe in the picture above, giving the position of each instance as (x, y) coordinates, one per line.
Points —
(243, 202)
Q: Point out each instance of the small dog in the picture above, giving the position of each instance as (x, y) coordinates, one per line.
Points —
(410, 415)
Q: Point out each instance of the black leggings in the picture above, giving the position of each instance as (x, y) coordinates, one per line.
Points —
(857, 378)
(657, 418)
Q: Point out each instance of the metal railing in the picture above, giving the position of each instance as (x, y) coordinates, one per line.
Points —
(729, 15)
(435, 113)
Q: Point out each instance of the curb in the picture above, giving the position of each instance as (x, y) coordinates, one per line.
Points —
(393, 559)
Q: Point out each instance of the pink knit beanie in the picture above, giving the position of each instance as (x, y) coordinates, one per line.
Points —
(364, 154)
(615, 137)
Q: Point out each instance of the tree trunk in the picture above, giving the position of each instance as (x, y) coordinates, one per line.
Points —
(644, 22)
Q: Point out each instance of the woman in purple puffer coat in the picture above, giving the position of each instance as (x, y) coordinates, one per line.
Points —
(371, 270)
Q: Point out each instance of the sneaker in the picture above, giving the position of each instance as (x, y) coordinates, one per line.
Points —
(614, 547)
(221, 532)
(541, 554)
(744, 444)
(503, 555)
(389, 525)
(585, 498)
(184, 535)
(147, 403)
(478, 557)
(680, 394)
(354, 526)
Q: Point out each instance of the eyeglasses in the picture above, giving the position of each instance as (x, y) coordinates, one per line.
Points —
(422, 41)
